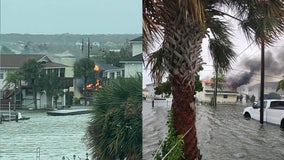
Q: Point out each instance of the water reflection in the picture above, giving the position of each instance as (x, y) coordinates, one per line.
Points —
(44, 137)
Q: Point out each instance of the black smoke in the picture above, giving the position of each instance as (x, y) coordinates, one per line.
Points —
(274, 67)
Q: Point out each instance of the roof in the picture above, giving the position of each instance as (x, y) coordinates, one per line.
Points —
(17, 60)
(207, 81)
(104, 66)
(137, 39)
(137, 58)
(212, 91)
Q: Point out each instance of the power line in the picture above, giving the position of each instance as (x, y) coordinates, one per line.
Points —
(244, 49)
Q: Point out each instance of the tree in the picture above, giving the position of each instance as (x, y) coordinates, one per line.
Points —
(84, 69)
(219, 77)
(114, 57)
(165, 87)
(115, 130)
(264, 28)
(181, 26)
(31, 71)
(50, 83)
(280, 85)
(13, 80)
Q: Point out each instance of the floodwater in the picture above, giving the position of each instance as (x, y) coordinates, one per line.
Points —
(223, 133)
(44, 137)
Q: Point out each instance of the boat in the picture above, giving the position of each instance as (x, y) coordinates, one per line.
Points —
(66, 112)
(12, 116)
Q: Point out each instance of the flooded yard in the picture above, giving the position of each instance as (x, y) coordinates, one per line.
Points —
(43, 137)
(222, 132)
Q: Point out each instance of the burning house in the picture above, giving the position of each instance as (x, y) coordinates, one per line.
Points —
(225, 95)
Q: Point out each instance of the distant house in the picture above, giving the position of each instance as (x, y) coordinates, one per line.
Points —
(136, 45)
(224, 96)
(133, 65)
(13, 62)
(269, 87)
(109, 72)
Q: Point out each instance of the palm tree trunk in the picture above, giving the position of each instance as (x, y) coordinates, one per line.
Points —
(183, 59)
(184, 117)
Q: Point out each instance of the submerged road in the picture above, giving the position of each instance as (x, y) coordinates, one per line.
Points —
(223, 133)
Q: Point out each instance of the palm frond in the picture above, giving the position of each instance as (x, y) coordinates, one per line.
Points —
(151, 24)
(222, 53)
(264, 21)
(156, 62)
(115, 130)
(280, 85)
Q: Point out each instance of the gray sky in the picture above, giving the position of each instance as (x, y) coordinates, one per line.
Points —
(71, 16)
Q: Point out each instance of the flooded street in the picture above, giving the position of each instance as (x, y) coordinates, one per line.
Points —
(43, 137)
(223, 133)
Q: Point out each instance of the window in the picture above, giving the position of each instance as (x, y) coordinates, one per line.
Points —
(257, 104)
(55, 71)
(1, 76)
(62, 72)
(118, 74)
(277, 105)
(49, 71)
(29, 92)
(112, 75)
(225, 96)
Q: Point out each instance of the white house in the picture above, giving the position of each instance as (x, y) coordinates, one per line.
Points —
(133, 66)
(136, 45)
(109, 72)
(224, 96)
(13, 62)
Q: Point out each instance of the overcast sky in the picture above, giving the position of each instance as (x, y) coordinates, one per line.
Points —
(71, 16)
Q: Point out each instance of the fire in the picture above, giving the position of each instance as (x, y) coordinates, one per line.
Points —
(96, 68)
(97, 83)
(90, 86)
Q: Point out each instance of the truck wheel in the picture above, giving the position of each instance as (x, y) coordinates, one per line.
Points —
(282, 124)
(247, 116)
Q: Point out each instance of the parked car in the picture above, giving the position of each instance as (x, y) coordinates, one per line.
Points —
(273, 112)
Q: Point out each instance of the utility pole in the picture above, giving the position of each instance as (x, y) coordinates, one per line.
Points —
(262, 82)
(216, 84)
(0, 23)
(89, 46)
(82, 46)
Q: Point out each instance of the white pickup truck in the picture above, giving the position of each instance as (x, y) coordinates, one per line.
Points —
(273, 112)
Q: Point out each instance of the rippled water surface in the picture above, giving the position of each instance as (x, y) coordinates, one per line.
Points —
(43, 137)
(223, 133)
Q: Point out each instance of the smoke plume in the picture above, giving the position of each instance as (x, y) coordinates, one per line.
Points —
(274, 67)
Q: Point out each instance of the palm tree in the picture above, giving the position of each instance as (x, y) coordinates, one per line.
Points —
(115, 130)
(267, 27)
(181, 26)
(31, 71)
(280, 85)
